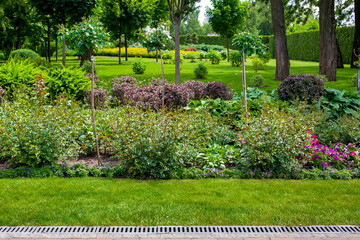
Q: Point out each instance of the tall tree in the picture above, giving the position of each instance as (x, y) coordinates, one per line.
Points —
(70, 12)
(280, 42)
(192, 23)
(356, 43)
(328, 49)
(178, 9)
(227, 17)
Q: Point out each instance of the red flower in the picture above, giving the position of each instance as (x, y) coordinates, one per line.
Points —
(352, 154)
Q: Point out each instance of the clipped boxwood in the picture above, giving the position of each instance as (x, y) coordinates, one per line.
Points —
(304, 87)
(24, 54)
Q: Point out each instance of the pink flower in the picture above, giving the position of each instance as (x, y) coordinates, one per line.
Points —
(352, 154)
(242, 141)
(314, 136)
(324, 164)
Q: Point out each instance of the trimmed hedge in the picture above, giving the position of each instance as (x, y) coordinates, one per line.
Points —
(306, 45)
(209, 40)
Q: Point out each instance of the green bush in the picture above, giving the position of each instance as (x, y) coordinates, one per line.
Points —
(138, 66)
(235, 58)
(87, 68)
(192, 57)
(257, 63)
(201, 71)
(203, 47)
(214, 57)
(303, 87)
(15, 74)
(24, 54)
(273, 139)
(67, 80)
(223, 55)
(354, 80)
(257, 81)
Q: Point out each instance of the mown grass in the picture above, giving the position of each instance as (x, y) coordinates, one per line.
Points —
(109, 68)
(99, 201)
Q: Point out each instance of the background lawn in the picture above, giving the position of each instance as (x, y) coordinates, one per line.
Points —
(109, 68)
(99, 201)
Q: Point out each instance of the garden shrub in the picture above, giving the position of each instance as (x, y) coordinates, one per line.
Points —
(167, 56)
(273, 140)
(100, 97)
(177, 96)
(216, 90)
(202, 55)
(118, 91)
(87, 67)
(138, 66)
(192, 57)
(257, 64)
(223, 55)
(42, 134)
(159, 82)
(71, 81)
(197, 87)
(257, 81)
(24, 54)
(206, 41)
(145, 97)
(200, 71)
(125, 79)
(15, 74)
(304, 87)
(354, 80)
(89, 75)
(235, 59)
(214, 57)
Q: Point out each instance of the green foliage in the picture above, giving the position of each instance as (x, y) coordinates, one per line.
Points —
(139, 66)
(206, 40)
(227, 16)
(257, 63)
(337, 103)
(200, 71)
(249, 44)
(203, 47)
(274, 138)
(235, 59)
(192, 57)
(67, 80)
(257, 81)
(15, 74)
(223, 55)
(24, 54)
(354, 80)
(214, 57)
(156, 40)
(305, 45)
(87, 67)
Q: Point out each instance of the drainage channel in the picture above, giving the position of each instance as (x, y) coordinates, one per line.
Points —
(59, 230)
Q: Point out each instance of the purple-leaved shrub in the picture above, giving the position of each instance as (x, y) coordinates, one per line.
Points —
(197, 87)
(118, 91)
(177, 96)
(144, 97)
(100, 97)
(216, 90)
(125, 79)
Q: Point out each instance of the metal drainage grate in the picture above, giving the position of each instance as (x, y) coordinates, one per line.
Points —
(180, 229)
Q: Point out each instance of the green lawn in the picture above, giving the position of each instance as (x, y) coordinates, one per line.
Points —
(99, 201)
(108, 68)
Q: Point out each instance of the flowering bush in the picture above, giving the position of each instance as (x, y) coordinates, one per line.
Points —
(100, 97)
(304, 87)
(216, 90)
(273, 140)
(322, 155)
(197, 87)
(125, 79)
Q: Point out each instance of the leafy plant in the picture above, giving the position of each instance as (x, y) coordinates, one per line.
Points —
(100, 97)
(197, 87)
(192, 57)
(304, 87)
(24, 54)
(200, 71)
(138, 66)
(218, 90)
(88, 68)
(118, 92)
(125, 79)
(257, 81)
(235, 58)
(214, 57)
(257, 63)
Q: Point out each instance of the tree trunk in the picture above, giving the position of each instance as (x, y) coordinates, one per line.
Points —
(328, 50)
(157, 58)
(339, 59)
(64, 53)
(244, 84)
(163, 78)
(227, 46)
(120, 48)
(85, 57)
(126, 52)
(49, 38)
(18, 45)
(177, 50)
(280, 42)
(57, 48)
(46, 51)
(356, 43)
